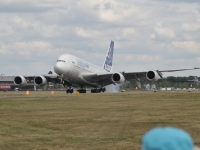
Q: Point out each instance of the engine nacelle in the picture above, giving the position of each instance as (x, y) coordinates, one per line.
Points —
(152, 75)
(118, 78)
(20, 81)
(40, 81)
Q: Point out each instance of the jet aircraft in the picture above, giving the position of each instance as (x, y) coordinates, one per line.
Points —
(76, 72)
(195, 80)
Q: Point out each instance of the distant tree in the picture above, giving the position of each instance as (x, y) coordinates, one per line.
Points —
(171, 81)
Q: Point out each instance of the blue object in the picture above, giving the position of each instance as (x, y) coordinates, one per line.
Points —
(167, 138)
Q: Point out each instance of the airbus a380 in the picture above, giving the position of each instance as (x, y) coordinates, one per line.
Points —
(75, 72)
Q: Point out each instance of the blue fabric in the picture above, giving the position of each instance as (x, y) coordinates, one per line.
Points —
(167, 138)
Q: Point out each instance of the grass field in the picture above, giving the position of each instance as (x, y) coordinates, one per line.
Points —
(111, 121)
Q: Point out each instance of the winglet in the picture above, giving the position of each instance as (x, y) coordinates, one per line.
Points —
(109, 57)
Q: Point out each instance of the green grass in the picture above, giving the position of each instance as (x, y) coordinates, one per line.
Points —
(93, 121)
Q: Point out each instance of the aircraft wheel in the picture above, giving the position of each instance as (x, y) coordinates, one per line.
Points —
(71, 90)
(93, 90)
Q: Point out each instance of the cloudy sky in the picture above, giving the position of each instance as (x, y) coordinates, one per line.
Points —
(148, 34)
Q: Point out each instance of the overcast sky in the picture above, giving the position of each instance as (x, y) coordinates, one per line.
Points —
(148, 34)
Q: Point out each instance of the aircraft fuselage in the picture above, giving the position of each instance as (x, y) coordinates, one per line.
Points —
(71, 68)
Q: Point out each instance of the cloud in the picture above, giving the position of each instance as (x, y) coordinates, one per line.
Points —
(190, 27)
(21, 7)
(4, 50)
(30, 49)
(198, 60)
(152, 36)
(122, 14)
(34, 27)
(188, 46)
(86, 33)
(164, 31)
(135, 62)
(147, 34)
(40, 66)
(178, 1)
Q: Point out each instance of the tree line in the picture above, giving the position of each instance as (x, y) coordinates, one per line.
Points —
(176, 82)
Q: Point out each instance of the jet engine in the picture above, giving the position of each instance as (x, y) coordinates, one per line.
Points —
(152, 75)
(40, 80)
(20, 81)
(118, 78)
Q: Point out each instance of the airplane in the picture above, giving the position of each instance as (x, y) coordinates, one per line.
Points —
(78, 73)
(195, 80)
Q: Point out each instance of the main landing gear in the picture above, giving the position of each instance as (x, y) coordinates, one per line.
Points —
(82, 90)
(98, 90)
(70, 91)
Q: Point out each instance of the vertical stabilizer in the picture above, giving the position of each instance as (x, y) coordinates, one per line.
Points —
(109, 57)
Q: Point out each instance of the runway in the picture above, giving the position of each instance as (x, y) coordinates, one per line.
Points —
(93, 121)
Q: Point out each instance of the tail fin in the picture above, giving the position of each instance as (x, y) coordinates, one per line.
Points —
(109, 57)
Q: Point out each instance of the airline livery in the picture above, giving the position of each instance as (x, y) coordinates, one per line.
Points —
(76, 72)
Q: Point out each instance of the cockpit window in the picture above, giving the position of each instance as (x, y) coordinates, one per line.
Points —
(60, 61)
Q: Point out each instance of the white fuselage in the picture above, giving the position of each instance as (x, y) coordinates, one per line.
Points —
(71, 68)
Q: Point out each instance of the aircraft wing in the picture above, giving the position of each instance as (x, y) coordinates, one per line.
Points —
(106, 77)
(137, 75)
(47, 76)
(178, 70)
(30, 79)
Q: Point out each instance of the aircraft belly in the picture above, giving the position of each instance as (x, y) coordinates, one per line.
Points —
(74, 77)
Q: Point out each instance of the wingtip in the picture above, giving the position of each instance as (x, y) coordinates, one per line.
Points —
(196, 68)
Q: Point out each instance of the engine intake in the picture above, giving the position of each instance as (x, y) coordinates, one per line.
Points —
(152, 75)
(20, 81)
(40, 81)
(118, 78)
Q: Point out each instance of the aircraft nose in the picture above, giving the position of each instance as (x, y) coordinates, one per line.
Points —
(59, 68)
